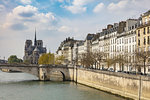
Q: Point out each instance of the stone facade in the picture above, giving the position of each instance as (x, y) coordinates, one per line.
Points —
(72, 49)
(33, 52)
(125, 85)
(143, 38)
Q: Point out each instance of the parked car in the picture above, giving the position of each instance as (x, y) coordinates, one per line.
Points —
(111, 69)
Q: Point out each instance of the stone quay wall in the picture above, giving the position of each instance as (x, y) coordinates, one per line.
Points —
(126, 85)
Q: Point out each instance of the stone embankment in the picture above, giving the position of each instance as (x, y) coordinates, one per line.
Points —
(131, 86)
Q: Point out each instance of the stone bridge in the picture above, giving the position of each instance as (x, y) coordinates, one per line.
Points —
(43, 72)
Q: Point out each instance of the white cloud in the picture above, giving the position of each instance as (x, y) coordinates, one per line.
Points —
(98, 8)
(76, 9)
(64, 29)
(78, 6)
(26, 1)
(120, 5)
(81, 2)
(128, 8)
(25, 16)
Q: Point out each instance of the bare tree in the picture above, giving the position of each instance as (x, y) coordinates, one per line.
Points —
(109, 62)
(91, 59)
(86, 59)
(97, 56)
(142, 57)
(120, 59)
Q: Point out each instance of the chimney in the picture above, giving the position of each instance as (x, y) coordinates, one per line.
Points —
(104, 30)
(109, 26)
(122, 26)
(115, 24)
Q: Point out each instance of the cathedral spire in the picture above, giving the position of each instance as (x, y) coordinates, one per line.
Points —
(35, 42)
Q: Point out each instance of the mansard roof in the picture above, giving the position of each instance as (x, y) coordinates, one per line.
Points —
(89, 36)
(146, 13)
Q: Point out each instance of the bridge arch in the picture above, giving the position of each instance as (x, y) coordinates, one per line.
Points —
(63, 72)
(56, 76)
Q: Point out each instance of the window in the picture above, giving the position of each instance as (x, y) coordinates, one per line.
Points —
(139, 42)
(120, 48)
(135, 39)
(135, 25)
(132, 48)
(148, 42)
(132, 39)
(138, 32)
(144, 31)
(147, 29)
(144, 41)
(120, 41)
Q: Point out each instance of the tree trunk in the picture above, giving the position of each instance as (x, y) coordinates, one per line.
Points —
(144, 66)
(114, 67)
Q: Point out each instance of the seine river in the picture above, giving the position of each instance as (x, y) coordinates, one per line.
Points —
(21, 86)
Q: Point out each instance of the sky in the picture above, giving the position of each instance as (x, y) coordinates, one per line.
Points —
(56, 20)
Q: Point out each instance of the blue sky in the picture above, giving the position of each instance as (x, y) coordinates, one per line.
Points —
(57, 19)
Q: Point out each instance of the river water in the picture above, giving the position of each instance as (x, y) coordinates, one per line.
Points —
(22, 86)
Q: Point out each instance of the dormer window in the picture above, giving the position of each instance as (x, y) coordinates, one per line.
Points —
(145, 20)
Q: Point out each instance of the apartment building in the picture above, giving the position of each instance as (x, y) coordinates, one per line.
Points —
(143, 32)
(143, 38)
(120, 39)
(65, 49)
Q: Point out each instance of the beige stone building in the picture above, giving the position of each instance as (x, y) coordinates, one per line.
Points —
(143, 32)
(143, 38)
(65, 49)
(121, 39)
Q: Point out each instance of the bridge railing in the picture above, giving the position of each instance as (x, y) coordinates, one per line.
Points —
(51, 65)
(18, 65)
(34, 65)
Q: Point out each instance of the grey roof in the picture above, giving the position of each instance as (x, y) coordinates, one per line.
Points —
(80, 43)
(89, 36)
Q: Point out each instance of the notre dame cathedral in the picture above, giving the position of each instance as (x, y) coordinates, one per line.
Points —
(33, 52)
